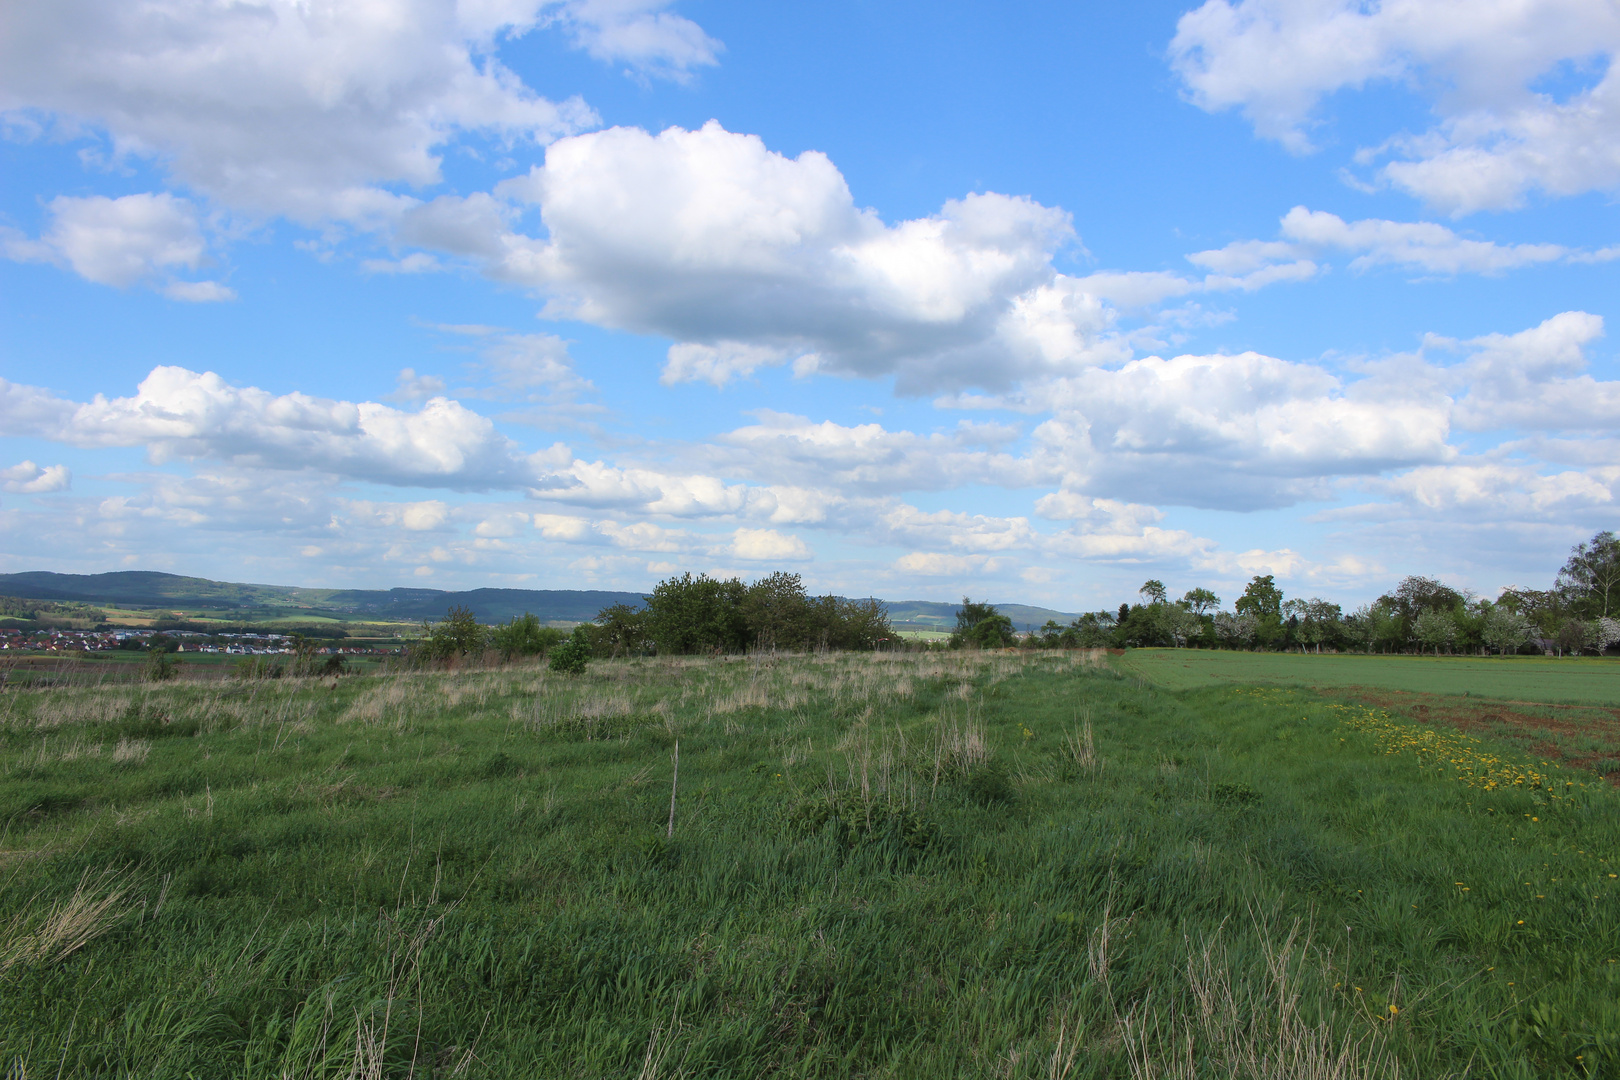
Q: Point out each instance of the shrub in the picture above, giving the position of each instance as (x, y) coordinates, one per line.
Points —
(160, 667)
(257, 667)
(524, 636)
(458, 634)
(570, 657)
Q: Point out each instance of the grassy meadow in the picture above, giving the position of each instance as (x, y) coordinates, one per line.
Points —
(892, 865)
(1552, 680)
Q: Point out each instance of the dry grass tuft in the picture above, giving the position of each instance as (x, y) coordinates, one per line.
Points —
(959, 745)
(1220, 1030)
(1081, 748)
(95, 907)
(133, 751)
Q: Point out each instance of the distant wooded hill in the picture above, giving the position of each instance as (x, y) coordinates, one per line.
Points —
(200, 597)
(231, 600)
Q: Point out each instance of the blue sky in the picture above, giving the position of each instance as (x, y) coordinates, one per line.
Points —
(915, 300)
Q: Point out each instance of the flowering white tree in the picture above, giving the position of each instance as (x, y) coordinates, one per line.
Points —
(1235, 630)
(1608, 633)
(1179, 624)
(1435, 629)
(1504, 629)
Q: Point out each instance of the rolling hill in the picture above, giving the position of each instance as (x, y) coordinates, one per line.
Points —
(201, 597)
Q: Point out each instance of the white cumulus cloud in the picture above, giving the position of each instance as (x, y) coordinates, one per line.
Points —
(1412, 245)
(307, 110)
(1536, 379)
(642, 34)
(123, 242)
(28, 478)
(176, 413)
(1499, 137)
(746, 257)
(1237, 431)
(768, 545)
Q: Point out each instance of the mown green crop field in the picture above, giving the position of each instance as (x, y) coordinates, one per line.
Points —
(894, 865)
(1593, 680)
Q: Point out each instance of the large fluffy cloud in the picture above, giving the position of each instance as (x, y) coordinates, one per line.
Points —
(1499, 137)
(284, 107)
(746, 257)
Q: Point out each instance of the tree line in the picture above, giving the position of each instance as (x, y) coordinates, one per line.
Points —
(1578, 613)
(684, 616)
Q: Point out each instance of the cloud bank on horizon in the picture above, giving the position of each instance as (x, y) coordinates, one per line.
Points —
(740, 365)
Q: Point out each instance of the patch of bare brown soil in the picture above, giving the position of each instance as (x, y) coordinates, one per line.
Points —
(1484, 717)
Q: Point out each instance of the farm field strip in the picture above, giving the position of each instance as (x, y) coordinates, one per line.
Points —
(1522, 679)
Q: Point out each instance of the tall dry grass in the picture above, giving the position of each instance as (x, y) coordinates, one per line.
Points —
(52, 934)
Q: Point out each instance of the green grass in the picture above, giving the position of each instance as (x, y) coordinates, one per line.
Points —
(120, 665)
(1593, 680)
(917, 865)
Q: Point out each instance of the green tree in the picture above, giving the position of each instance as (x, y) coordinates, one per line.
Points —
(1261, 598)
(832, 622)
(1143, 625)
(1415, 595)
(1591, 576)
(687, 615)
(457, 635)
(775, 609)
(1574, 635)
(862, 624)
(622, 629)
(524, 636)
(1546, 610)
(1389, 630)
(571, 656)
(971, 613)
(1320, 622)
(994, 632)
(1153, 590)
(1093, 630)
(1201, 600)
(980, 625)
